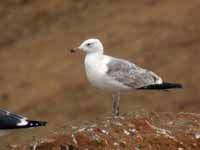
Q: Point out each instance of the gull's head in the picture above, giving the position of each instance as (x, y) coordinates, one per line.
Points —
(90, 46)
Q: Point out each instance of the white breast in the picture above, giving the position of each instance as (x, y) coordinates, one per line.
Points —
(95, 69)
(95, 66)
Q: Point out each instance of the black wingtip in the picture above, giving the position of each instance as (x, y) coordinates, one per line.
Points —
(33, 123)
(30, 124)
(172, 85)
(163, 86)
(178, 86)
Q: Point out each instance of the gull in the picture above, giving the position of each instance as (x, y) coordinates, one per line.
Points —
(117, 75)
(12, 121)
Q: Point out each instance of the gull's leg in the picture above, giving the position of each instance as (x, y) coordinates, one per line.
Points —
(115, 103)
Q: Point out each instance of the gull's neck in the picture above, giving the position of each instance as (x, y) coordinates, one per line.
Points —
(95, 54)
(93, 57)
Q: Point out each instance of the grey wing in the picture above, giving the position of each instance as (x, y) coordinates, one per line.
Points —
(131, 75)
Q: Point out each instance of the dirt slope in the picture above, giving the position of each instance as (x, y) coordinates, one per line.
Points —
(40, 79)
(139, 131)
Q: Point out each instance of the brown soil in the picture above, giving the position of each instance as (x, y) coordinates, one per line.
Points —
(40, 79)
(138, 131)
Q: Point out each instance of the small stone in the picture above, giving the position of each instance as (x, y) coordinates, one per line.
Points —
(81, 130)
(13, 146)
(74, 139)
(197, 136)
(118, 124)
(126, 132)
(104, 131)
(132, 130)
(116, 144)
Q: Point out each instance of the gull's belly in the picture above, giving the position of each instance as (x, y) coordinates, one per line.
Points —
(96, 68)
(98, 78)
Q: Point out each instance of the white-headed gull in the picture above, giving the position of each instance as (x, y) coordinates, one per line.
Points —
(116, 74)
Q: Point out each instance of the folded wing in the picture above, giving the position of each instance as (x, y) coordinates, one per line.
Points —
(131, 75)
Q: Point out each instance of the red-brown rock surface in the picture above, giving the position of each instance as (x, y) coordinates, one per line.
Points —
(141, 131)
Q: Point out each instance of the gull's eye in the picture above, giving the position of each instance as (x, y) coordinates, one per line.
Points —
(88, 44)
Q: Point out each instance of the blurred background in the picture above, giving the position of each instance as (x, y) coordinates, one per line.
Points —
(40, 79)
